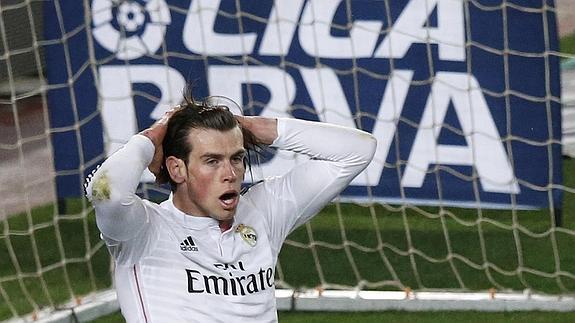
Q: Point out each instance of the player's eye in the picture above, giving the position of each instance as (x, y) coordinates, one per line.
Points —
(238, 159)
(211, 162)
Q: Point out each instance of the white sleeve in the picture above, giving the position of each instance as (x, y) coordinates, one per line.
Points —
(120, 214)
(338, 154)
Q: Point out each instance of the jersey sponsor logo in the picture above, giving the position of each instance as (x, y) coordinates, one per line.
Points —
(248, 234)
(188, 245)
(237, 284)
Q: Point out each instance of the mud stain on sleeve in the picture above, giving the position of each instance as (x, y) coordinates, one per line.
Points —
(101, 187)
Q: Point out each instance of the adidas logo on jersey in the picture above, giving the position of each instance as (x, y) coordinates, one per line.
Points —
(188, 245)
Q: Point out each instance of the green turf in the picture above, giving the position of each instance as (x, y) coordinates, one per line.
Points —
(50, 287)
(567, 44)
(432, 234)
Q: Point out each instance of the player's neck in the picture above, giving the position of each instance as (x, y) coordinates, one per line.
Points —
(183, 203)
(225, 225)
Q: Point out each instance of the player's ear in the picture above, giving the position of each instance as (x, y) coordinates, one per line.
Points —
(177, 169)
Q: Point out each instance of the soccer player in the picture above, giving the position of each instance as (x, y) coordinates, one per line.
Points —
(209, 253)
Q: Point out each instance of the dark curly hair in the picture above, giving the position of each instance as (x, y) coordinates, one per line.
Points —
(197, 115)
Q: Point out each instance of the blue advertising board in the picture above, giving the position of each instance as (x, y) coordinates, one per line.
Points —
(462, 96)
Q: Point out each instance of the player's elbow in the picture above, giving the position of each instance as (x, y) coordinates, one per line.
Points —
(371, 147)
(366, 148)
(360, 153)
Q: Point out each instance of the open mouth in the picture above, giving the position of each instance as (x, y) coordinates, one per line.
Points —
(229, 199)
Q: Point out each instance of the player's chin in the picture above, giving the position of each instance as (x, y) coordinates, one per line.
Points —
(225, 214)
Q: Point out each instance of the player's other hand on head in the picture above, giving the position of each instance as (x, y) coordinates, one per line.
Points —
(156, 133)
(263, 129)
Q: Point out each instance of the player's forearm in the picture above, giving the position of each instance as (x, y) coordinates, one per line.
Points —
(351, 147)
(112, 189)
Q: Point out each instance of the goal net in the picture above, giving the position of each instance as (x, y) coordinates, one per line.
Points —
(468, 200)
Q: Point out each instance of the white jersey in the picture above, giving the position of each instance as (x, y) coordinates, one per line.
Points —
(173, 267)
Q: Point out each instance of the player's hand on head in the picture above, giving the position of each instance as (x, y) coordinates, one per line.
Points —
(263, 129)
(156, 133)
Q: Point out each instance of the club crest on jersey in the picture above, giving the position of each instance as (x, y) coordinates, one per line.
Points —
(248, 234)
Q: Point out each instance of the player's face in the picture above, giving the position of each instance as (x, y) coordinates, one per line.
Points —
(215, 172)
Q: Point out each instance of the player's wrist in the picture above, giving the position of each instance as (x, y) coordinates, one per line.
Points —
(157, 131)
(155, 134)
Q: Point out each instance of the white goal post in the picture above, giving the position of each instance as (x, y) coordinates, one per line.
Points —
(468, 204)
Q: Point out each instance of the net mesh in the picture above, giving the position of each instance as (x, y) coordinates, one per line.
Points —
(50, 251)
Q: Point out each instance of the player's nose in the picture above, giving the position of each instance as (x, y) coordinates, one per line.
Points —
(230, 173)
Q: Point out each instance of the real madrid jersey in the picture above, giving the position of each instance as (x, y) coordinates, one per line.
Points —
(175, 267)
